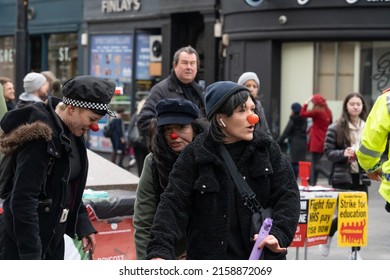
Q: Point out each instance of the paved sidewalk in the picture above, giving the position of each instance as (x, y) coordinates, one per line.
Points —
(105, 175)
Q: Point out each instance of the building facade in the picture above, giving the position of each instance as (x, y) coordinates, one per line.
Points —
(297, 47)
(53, 28)
(302, 47)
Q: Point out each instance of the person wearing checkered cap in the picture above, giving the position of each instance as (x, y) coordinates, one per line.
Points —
(90, 93)
(44, 170)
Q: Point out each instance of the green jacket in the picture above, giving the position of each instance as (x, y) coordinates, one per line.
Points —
(144, 210)
(3, 108)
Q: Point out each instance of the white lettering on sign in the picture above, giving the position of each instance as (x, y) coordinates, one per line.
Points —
(117, 6)
(7, 55)
(63, 54)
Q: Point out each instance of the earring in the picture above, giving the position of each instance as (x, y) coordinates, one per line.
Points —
(222, 123)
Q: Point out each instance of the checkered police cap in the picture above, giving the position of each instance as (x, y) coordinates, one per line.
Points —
(89, 92)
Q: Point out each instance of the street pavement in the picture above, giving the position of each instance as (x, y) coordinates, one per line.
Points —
(378, 245)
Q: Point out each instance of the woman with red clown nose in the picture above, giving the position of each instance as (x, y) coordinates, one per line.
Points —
(202, 201)
(177, 125)
(45, 168)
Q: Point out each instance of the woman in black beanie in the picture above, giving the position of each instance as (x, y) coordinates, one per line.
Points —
(201, 200)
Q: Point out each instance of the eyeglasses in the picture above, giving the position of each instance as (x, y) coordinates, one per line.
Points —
(178, 128)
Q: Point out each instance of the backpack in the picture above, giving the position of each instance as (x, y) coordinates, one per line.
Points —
(107, 131)
(134, 137)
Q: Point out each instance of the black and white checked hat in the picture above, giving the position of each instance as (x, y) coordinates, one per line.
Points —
(89, 92)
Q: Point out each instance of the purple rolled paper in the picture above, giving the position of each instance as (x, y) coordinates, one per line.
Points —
(263, 233)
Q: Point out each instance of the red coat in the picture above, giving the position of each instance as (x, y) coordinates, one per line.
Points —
(322, 118)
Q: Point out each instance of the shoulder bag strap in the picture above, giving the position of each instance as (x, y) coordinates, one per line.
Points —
(243, 188)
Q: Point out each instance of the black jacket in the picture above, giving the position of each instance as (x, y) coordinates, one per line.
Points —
(199, 199)
(32, 211)
(167, 88)
(341, 169)
(295, 132)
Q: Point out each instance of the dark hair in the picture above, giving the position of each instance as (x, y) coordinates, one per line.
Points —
(4, 80)
(164, 156)
(342, 130)
(189, 50)
(120, 109)
(227, 108)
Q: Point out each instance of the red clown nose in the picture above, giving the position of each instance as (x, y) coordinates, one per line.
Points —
(253, 119)
(94, 127)
(174, 136)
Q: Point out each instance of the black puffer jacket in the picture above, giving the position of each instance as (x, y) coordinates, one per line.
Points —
(32, 211)
(341, 168)
(198, 199)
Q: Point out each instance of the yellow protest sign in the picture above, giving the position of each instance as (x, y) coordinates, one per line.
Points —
(320, 216)
(352, 219)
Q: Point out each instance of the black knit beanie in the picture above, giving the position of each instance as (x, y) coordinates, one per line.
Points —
(217, 93)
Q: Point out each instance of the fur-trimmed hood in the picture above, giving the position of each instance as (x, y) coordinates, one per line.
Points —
(25, 124)
(9, 142)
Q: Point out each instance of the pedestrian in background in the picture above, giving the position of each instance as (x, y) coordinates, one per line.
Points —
(202, 201)
(8, 92)
(3, 106)
(321, 118)
(179, 84)
(177, 126)
(252, 82)
(341, 142)
(56, 88)
(3, 110)
(117, 137)
(46, 171)
(141, 144)
(50, 77)
(295, 133)
(35, 90)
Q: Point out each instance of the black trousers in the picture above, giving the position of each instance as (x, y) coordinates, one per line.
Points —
(316, 168)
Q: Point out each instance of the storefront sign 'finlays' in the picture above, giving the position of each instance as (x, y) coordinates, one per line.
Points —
(117, 6)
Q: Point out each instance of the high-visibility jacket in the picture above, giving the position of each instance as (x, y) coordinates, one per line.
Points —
(374, 140)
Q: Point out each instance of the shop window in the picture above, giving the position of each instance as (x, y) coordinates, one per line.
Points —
(7, 57)
(62, 55)
(111, 57)
(344, 67)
